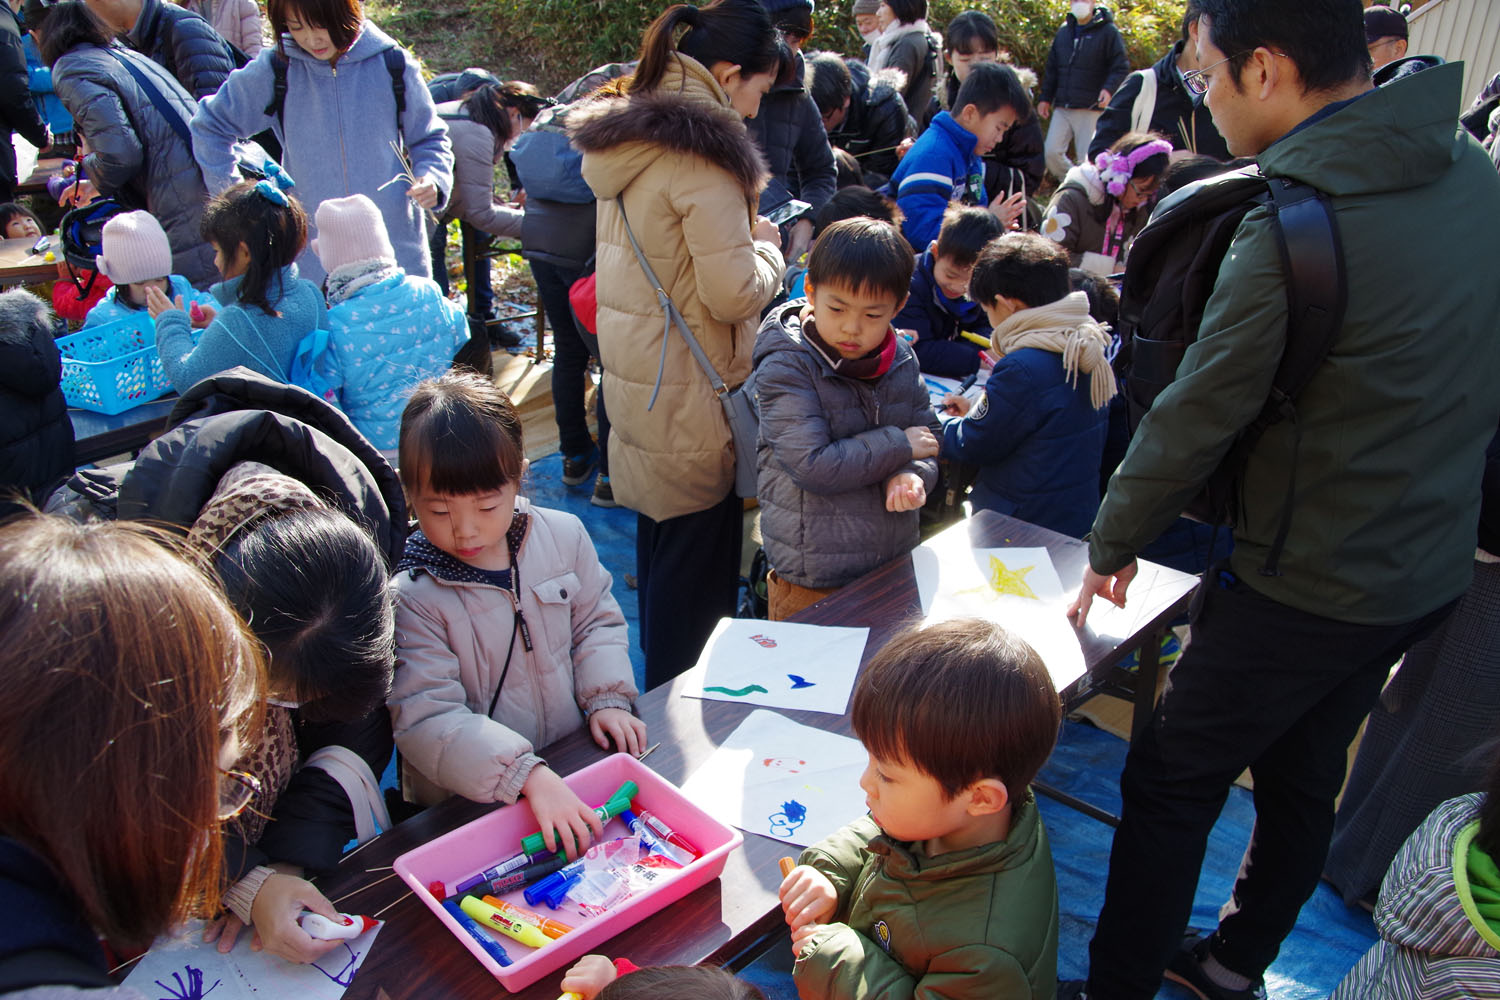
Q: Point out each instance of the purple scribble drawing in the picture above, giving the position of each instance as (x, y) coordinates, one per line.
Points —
(344, 976)
(793, 814)
(191, 989)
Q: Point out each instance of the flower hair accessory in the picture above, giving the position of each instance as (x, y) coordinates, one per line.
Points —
(276, 182)
(1116, 169)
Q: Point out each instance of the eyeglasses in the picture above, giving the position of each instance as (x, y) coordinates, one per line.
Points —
(1142, 189)
(1195, 83)
(236, 790)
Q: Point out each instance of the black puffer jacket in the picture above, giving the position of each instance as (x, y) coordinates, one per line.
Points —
(135, 155)
(877, 120)
(36, 436)
(1084, 60)
(1187, 123)
(789, 130)
(17, 113)
(188, 46)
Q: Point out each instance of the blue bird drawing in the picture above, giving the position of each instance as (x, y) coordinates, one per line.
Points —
(800, 682)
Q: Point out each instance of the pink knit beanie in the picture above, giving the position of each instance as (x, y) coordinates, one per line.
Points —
(350, 229)
(135, 249)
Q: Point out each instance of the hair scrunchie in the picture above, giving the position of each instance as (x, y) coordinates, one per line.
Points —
(1116, 169)
(276, 182)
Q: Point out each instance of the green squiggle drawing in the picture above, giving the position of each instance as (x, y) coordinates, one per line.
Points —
(738, 692)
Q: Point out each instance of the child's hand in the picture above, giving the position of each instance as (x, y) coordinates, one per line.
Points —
(157, 303)
(807, 897)
(589, 976)
(201, 315)
(1008, 210)
(78, 194)
(627, 732)
(923, 444)
(909, 336)
(556, 808)
(904, 491)
(904, 146)
(801, 935)
(956, 404)
(424, 193)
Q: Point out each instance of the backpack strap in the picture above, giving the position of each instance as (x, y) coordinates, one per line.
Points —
(154, 95)
(278, 86)
(1144, 107)
(395, 65)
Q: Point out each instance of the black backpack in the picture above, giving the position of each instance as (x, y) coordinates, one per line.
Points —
(1172, 269)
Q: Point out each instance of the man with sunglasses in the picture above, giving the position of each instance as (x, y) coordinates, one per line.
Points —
(1381, 466)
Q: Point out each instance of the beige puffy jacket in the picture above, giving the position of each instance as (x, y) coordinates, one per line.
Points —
(690, 175)
(451, 643)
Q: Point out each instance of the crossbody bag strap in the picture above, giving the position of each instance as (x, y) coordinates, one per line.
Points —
(154, 95)
(672, 316)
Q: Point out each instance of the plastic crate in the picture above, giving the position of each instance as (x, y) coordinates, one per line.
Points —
(112, 367)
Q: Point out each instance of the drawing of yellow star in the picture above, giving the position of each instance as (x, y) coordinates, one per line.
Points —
(1004, 580)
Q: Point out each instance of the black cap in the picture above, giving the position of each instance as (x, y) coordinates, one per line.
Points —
(473, 78)
(1383, 22)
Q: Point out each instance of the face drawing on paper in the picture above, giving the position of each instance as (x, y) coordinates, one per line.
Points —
(793, 814)
(187, 985)
(791, 765)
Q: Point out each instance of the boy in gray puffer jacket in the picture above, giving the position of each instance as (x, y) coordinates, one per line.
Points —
(847, 431)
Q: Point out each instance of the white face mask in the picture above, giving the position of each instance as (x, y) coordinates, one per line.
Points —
(1082, 10)
(870, 36)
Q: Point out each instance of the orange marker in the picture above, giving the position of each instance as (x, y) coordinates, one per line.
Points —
(787, 864)
(554, 929)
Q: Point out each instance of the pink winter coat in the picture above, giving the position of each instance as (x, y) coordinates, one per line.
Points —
(237, 20)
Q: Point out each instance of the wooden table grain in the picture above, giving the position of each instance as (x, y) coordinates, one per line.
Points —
(415, 956)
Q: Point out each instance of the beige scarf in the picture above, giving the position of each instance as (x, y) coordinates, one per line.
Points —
(1063, 327)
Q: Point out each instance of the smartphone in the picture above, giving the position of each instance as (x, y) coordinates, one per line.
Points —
(787, 211)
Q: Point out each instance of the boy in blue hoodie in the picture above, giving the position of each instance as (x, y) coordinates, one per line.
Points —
(943, 165)
(939, 311)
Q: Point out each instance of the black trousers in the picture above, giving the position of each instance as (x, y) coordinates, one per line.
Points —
(571, 349)
(1264, 686)
(688, 571)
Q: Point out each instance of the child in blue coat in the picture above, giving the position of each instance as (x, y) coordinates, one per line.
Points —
(257, 230)
(1038, 433)
(938, 312)
(943, 165)
(388, 330)
(136, 256)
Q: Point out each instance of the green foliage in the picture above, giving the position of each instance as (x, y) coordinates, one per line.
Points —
(570, 37)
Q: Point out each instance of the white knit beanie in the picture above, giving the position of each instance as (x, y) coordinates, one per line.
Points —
(350, 229)
(135, 249)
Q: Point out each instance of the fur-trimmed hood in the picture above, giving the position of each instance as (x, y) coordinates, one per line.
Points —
(688, 114)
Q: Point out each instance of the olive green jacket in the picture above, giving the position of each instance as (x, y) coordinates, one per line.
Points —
(979, 923)
(1395, 422)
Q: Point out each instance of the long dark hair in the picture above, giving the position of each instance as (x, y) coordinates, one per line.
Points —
(732, 31)
(491, 103)
(68, 26)
(274, 234)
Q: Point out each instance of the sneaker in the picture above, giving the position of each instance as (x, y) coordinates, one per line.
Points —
(604, 494)
(1186, 969)
(505, 339)
(578, 468)
(1071, 989)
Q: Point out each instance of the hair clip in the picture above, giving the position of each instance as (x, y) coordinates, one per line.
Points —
(276, 182)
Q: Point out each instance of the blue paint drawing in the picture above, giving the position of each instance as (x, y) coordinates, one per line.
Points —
(800, 682)
(344, 976)
(190, 988)
(793, 814)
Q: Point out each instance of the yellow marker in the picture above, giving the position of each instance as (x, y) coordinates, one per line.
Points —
(571, 996)
(488, 916)
(974, 338)
(552, 928)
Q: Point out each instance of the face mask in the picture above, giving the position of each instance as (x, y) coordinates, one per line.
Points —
(870, 36)
(1082, 10)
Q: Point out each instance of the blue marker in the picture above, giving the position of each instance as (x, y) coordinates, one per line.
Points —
(488, 943)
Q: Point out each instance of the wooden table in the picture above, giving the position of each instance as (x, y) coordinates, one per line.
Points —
(36, 181)
(415, 956)
(19, 266)
(97, 436)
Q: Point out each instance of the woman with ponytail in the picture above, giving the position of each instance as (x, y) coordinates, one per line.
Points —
(671, 156)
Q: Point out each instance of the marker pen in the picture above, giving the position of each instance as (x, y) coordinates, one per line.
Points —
(492, 947)
(552, 928)
(665, 832)
(620, 800)
(318, 926)
(487, 916)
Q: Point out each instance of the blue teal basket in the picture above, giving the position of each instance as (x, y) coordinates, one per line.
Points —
(112, 367)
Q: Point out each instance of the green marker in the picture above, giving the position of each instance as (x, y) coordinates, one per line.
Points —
(618, 803)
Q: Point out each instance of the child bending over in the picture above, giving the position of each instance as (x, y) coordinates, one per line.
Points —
(1038, 433)
(136, 256)
(507, 637)
(946, 888)
(847, 432)
(939, 309)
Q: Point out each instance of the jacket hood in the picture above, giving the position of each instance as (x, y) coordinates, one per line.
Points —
(370, 41)
(688, 114)
(1423, 901)
(1393, 138)
(26, 365)
(1085, 177)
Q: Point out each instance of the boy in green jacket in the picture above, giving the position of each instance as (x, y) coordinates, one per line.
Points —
(947, 887)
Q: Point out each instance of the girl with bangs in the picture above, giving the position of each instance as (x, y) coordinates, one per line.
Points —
(507, 637)
(338, 122)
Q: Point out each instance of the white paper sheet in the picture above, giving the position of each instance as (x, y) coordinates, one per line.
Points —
(778, 664)
(1017, 588)
(182, 967)
(781, 780)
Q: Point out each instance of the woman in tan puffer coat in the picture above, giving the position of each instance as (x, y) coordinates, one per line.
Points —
(675, 152)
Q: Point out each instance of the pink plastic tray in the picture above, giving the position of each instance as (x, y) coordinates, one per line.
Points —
(496, 836)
